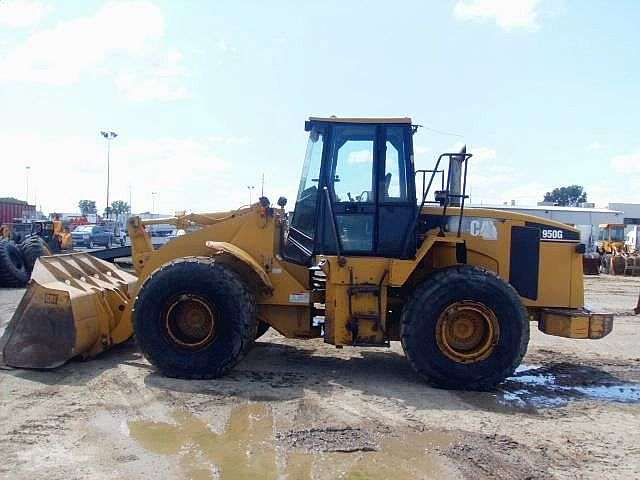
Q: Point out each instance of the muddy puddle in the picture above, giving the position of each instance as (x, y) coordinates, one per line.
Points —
(248, 448)
(534, 387)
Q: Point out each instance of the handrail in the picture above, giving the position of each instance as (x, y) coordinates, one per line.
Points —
(334, 227)
(447, 197)
(413, 224)
(424, 172)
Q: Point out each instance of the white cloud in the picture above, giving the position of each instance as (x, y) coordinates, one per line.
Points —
(22, 13)
(594, 146)
(225, 47)
(507, 14)
(421, 150)
(495, 179)
(62, 54)
(360, 156)
(627, 164)
(482, 154)
(229, 139)
(188, 173)
(158, 82)
(491, 181)
(122, 39)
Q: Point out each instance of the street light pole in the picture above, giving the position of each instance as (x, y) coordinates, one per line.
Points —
(153, 202)
(250, 188)
(109, 136)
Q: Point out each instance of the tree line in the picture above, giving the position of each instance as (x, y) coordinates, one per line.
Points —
(571, 196)
(117, 207)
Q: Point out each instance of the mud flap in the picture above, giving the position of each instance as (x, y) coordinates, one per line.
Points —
(72, 305)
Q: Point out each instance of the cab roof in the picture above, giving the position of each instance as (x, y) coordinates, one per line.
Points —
(333, 119)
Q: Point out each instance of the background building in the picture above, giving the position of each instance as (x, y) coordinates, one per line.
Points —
(12, 209)
(585, 219)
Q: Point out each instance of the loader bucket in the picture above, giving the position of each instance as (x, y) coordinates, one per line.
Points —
(72, 305)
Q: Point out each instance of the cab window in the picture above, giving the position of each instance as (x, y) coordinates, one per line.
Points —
(394, 187)
(352, 161)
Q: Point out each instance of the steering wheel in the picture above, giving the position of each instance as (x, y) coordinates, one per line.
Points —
(361, 197)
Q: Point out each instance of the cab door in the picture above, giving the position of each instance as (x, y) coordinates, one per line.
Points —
(396, 193)
(350, 177)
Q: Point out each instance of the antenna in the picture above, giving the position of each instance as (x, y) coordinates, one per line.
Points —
(262, 188)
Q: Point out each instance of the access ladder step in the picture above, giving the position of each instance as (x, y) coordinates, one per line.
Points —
(368, 317)
(364, 289)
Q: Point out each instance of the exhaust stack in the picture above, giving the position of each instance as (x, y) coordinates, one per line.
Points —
(455, 176)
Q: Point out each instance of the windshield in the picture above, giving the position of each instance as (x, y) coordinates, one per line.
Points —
(612, 234)
(84, 229)
(617, 234)
(305, 210)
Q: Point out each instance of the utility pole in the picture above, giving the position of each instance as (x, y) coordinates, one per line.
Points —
(26, 169)
(109, 136)
(153, 203)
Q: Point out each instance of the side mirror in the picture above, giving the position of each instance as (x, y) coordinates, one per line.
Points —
(282, 201)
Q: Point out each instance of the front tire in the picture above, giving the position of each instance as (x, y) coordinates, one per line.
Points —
(464, 328)
(194, 318)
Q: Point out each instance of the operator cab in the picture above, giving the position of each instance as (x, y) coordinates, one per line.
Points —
(357, 191)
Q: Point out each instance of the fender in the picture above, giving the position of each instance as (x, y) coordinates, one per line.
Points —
(401, 270)
(242, 263)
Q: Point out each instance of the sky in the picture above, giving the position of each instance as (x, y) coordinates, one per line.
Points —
(207, 96)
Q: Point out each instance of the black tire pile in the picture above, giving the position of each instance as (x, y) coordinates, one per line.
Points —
(17, 260)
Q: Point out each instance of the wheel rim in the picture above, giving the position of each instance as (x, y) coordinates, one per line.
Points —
(191, 322)
(467, 331)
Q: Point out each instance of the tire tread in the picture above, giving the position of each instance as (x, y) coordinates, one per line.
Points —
(10, 276)
(247, 304)
(434, 289)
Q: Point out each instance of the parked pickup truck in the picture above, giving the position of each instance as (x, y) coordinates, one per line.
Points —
(92, 236)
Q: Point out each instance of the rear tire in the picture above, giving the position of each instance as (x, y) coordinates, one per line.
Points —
(194, 318)
(32, 248)
(464, 328)
(13, 271)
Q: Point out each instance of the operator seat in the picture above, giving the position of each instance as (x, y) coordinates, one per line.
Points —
(387, 184)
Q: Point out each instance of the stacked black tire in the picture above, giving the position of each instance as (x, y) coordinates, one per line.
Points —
(32, 248)
(17, 261)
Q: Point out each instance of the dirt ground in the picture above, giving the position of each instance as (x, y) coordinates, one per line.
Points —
(305, 410)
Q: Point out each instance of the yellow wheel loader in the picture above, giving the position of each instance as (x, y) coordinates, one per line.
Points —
(363, 260)
(611, 239)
